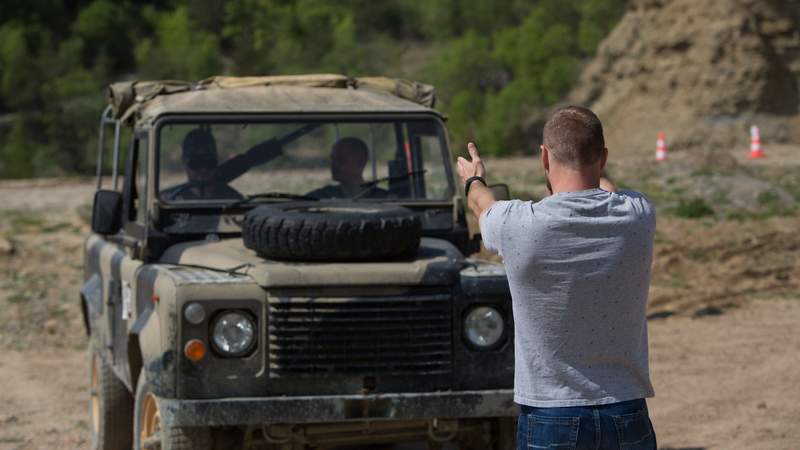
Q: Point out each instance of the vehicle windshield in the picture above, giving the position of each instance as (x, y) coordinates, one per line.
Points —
(227, 162)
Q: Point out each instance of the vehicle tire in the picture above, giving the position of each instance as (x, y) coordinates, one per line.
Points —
(148, 432)
(337, 231)
(110, 406)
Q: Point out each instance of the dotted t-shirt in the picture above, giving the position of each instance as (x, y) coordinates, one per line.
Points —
(578, 265)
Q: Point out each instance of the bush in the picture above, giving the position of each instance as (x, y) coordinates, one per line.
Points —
(694, 208)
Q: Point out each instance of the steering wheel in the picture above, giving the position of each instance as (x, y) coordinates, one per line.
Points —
(179, 190)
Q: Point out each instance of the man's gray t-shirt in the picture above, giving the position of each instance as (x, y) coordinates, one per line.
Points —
(578, 265)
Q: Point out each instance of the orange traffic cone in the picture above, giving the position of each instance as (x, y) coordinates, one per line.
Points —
(755, 143)
(661, 147)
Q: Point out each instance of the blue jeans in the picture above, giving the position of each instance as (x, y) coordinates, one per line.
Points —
(624, 426)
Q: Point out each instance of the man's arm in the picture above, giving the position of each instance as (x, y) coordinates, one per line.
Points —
(479, 196)
(259, 154)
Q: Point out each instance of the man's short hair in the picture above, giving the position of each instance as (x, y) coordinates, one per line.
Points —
(199, 143)
(574, 136)
(355, 146)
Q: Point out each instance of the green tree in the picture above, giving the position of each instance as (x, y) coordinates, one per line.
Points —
(178, 50)
(104, 28)
(250, 42)
(51, 14)
(520, 66)
(70, 122)
(19, 69)
(467, 63)
(501, 130)
(463, 72)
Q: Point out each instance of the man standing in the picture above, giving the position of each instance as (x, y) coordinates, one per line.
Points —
(578, 266)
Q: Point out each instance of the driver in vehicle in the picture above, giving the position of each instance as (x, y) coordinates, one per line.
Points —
(207, 178)
(349, 157)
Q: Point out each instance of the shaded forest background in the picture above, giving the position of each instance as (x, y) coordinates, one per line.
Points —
(495, 64)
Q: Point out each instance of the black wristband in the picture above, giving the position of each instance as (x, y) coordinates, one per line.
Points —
(469, 181)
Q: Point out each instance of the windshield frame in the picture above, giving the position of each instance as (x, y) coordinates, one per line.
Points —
(194, 118)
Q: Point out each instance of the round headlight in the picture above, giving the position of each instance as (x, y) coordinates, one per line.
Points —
(233, 333)
(484, 326)
(194, 313)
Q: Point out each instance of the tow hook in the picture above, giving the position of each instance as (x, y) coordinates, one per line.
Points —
(277, 434)
(442, 430)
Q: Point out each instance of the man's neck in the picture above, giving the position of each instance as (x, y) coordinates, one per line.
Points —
(567, 180)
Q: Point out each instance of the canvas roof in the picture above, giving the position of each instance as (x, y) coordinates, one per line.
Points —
(143, 102)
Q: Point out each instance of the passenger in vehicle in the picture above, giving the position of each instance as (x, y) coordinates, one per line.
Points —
(206, 177)
(349, 157)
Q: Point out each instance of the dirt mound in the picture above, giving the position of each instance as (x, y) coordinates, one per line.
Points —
(702, 72)
(702, 268)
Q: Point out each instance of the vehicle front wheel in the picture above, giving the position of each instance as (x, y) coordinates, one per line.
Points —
(149, 434)
(110, 407)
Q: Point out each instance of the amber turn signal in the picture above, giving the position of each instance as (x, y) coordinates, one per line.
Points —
(195, 350)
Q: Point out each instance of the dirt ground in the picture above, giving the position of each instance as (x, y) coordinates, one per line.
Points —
(724, 308)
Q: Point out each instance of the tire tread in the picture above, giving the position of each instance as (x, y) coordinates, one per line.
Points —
(360, 232)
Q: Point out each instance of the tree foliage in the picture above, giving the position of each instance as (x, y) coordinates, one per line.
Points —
(523, 65)
(492, 62)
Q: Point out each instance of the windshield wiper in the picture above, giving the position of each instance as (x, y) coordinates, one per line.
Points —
(283, 195)
(394, 178)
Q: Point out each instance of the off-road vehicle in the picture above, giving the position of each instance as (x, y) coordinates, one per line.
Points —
(282, 263)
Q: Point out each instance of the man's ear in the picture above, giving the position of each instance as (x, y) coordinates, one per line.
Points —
(603, 158)
(545, 158)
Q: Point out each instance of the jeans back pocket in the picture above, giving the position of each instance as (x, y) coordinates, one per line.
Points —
(635, 432)
(552, 433)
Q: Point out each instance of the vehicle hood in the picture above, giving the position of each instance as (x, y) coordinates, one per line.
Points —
(437, 262)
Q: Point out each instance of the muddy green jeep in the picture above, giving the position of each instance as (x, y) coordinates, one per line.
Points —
(281, 263)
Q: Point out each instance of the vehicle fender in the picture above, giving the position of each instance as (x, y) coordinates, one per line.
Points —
(144, 340)
(147, 352)
(92, 303)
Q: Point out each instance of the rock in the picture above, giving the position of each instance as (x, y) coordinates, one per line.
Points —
(6, 246)
(50, 325)
(9, 419)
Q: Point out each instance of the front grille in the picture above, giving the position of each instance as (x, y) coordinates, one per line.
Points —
(363, 335)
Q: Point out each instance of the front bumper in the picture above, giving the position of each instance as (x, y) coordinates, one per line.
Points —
(337, 408)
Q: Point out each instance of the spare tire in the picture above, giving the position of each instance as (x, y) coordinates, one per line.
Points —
(331, 231)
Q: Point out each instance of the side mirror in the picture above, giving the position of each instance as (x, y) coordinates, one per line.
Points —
(107, 212)
(500, 191)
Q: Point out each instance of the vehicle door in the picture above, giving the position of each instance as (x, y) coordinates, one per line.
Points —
(127, 259)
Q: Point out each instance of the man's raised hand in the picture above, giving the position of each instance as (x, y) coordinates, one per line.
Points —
(479, 198)
(467, 169)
